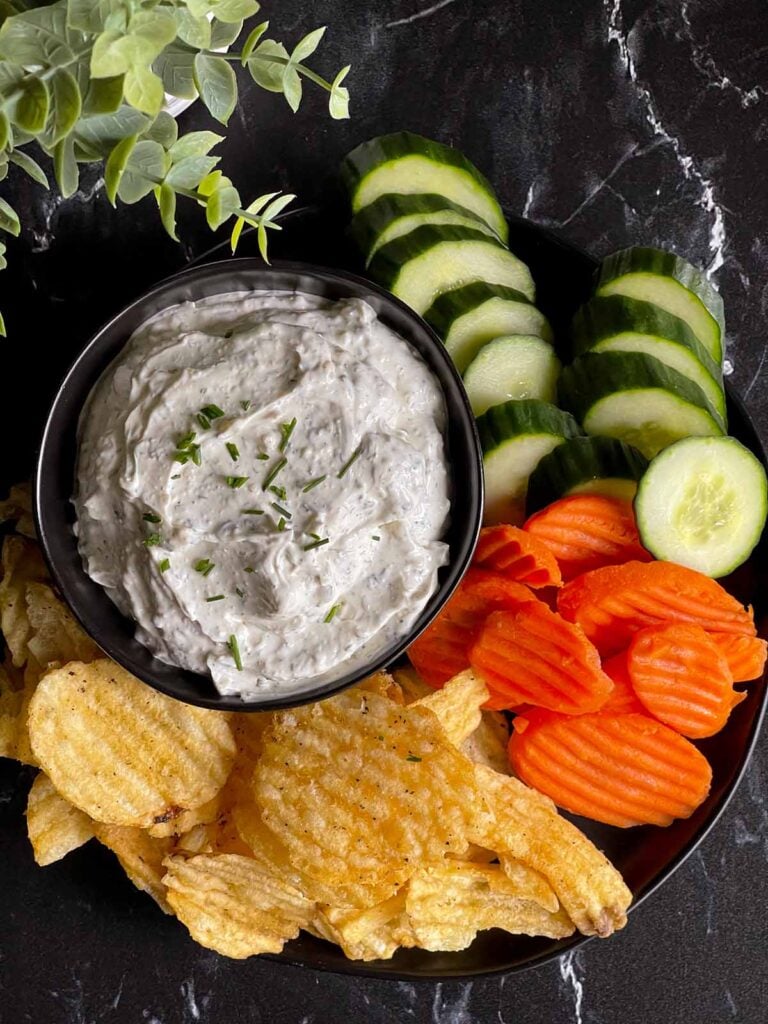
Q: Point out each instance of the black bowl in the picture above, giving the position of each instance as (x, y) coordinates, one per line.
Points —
(112, 631)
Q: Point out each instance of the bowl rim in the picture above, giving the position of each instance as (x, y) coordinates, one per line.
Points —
(54, 527)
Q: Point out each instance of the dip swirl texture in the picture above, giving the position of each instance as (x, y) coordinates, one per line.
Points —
(262, 487)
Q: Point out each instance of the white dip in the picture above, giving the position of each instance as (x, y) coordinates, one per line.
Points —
(223, 554)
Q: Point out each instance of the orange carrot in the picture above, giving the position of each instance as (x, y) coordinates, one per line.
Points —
(623, 700)
(442, 650)
(613, 603)
(745, 655)
(533, 656)
(587, 531)
(681, 677)
(619, 769)
(519, 555)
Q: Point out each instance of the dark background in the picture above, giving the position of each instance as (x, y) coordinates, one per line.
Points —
(610, 122)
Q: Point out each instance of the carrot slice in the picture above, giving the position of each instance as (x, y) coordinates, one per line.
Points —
(517, 554)
(533, 656)
(619, 769)
(613, 603)
(442, 650)
(587, 531)
(681, 677)
(623, 700)
(745, 655)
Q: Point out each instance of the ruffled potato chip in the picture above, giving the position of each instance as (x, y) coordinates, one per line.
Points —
(141, 857)
(22, 563)
(120, 751)
(17, 507)
(375, 933)
(54, 826)
(458, 705)
(55, 634)
(234, 904)
(177, 823)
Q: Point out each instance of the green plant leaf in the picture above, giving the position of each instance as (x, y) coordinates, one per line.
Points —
(4, 165)
(250, 43)
(38, 37)
(166, 201)
(193, 31)
(66, 105)
(265, 72)
(65, 167)
(157, 28)
(6, 135)
(221, 205)
(223, 34)
(32, 167)
(189, 172)
(277, 206)
(163, 130)
(29, 110)
(234, 10)
(211, 182)
(292, 88)
(263, 243)
(10, 78)
(110, 56)
(104, 95)
(91, 15)
(9, 220)
(307, 46)
(115, 166)
(97, 136)
(338, 102)
(146, 167)
(200, 8)
(143, 89)
(217, 85)
(194, 144)
(237, 230)
(176, 65)
(3, 332)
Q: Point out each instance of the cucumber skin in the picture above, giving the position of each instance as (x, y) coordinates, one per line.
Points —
(579, 460)
(502, 423)
(459, 301)
(647, 260)
(383, 149)
(595, 376)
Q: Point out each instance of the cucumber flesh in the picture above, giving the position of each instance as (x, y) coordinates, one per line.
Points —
(703, 503)
(406, 163)
(438, 258)
(519, 366)
(636, 399)
(586, 465)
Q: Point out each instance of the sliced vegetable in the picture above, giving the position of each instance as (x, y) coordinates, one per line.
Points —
(615, 323)
(636, 399)
(469, 317)
(671, 283)
(533, 656)
(586, 465)
(518, 555)
(518, 366)
(619, 769)
(745, 655)
(703, 503)
(435, 258)
(515, 436)
(587, 531)
(681, 677)
(442, 650)
(406, 163)
(613, 603)
(622, 700)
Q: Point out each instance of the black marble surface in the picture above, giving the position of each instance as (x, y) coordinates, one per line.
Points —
(611, 122)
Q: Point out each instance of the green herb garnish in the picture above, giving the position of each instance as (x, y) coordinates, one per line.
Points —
(234, 650)
(313, 483)
(262, 456)
(412, 757)
(216, 597)
(150, 517)
(286, 429)
(279, 492)
(333, 610)
(165, 565)
(281, 524)
(176, 476)
(252, 511)
(316, 543)
(245, 405)
(212, 412)
(234, 454)
(281, 510)
(204, 422)
(352, 458)
(182, 457)
(236, 481)
(375, 536)
(239, 592)
(249, 568)
(204, 566)
(186, 440)
(152, 540)
(196, 453)
(279, 465)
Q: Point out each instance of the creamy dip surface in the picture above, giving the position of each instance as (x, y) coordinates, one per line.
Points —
(262, 486)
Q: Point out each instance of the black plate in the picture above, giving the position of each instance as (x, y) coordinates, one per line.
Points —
(646, 856)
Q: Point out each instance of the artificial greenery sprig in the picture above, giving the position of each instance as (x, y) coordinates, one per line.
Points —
(86, 81)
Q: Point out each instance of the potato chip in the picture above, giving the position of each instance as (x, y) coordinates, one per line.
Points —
(411, 684)
(141, 857)
(449, 903)
(10, 710)
(54, 826)
(529, 883)
(234, 904)
(457, 705)
(122, 752)
(248, 731)
(488, 743)
(375, 933)
(55, 634)
(383, 684)
(527, 826)
(361, 790)
(178, 821)
(22, 563)
(17, 507)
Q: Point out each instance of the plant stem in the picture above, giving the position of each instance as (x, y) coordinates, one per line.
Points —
(307, 72)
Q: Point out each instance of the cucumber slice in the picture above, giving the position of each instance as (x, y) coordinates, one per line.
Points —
(637, 399)
(618, 324)
(408, 163)
(519, 366)
(467, 318)
(671, 283)
(515, 436)
(586, 465)
(436, 258)
(703, 503)
(392, 216)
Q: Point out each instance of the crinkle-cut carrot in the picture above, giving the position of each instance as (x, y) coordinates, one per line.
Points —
(442, 650)
(745, 655)
(623, 700)
(681, 677)
(619, 769)
(613, 603)
(533, 656)
(587, 531)
(517, 554)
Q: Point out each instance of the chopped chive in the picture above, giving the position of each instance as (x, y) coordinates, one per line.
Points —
(239, 592)
(316, 543)
(281, 524)
(204, 566)
(280, 492)
(216, 597)
(262, 456)
(313, 483)
(151, 517)
(286, 429)
(280, 464)
(204, 422)
(182, 457)
(252, 511)
(332, 611)
(153, 540)
(412, 757)
(186, 440)
(281, 510)
(245, 405)
(176, 476)
(375, 536)
(232, 448)
(249, 568)
(165, 565)
(197, 455)
(236, 481)
(212, 412)
(314, 536)
(352, 458)
(234, 650)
